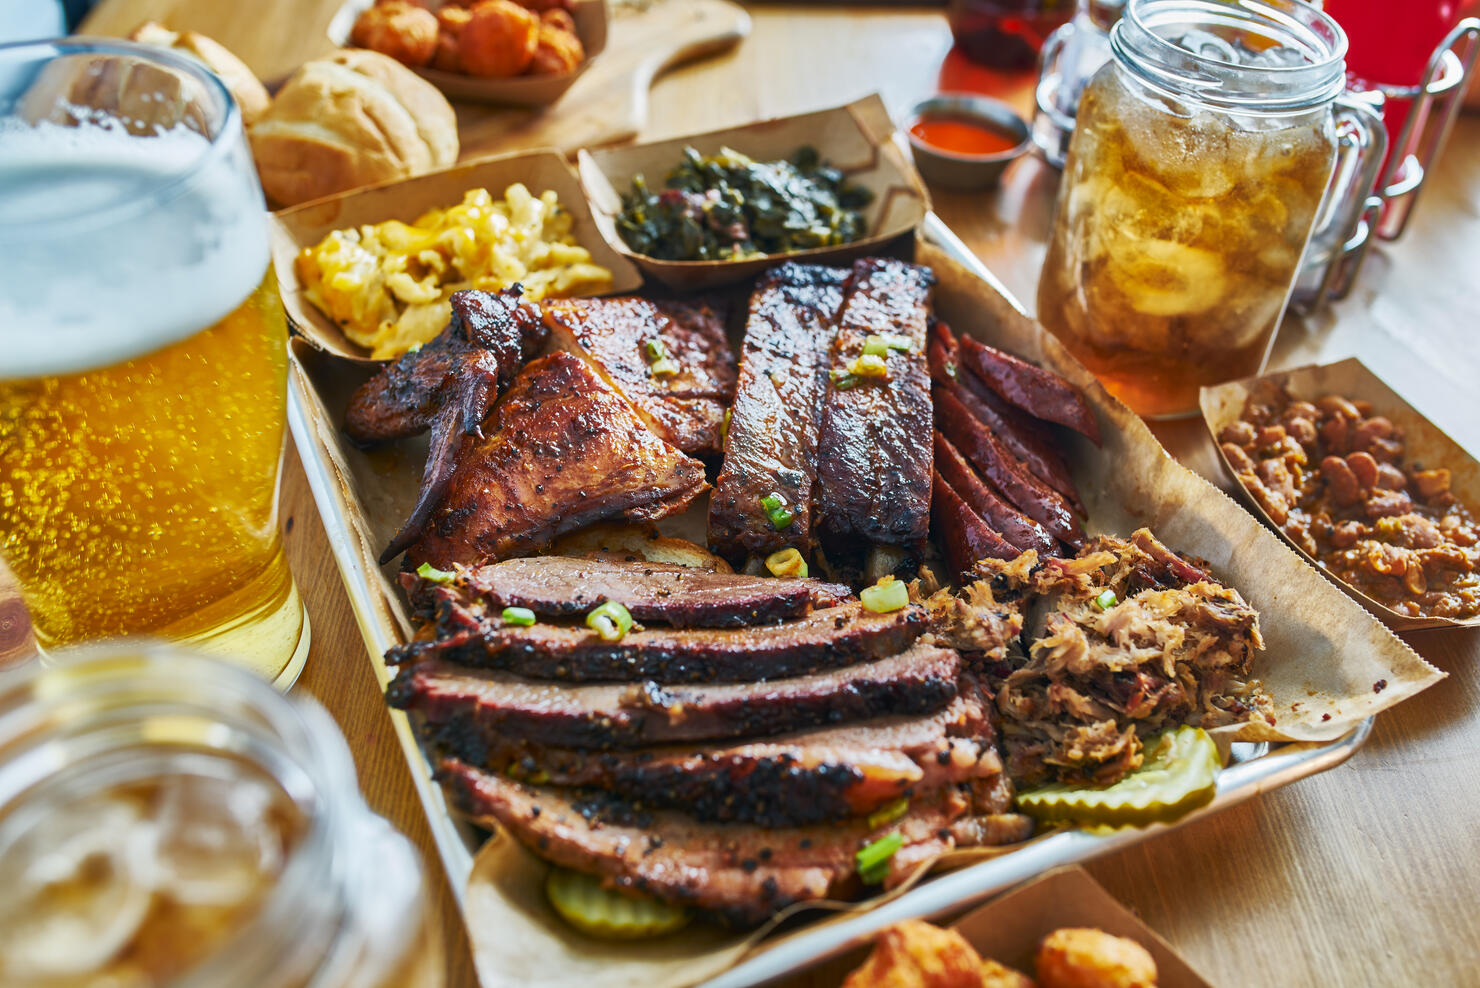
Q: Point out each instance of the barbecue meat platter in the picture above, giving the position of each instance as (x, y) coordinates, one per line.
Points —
(885, 619)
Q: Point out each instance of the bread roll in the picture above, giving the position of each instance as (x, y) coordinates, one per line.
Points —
(248, 91)
(353, 119)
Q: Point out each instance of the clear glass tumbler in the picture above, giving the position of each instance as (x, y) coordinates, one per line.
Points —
(168, 819)
(143, 364)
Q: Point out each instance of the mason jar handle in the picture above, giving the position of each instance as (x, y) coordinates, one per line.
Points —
(1361, 147)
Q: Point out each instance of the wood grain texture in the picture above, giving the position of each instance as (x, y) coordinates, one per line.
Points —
(1362, 876)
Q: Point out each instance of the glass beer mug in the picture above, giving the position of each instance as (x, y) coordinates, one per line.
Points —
(1198, 168)
(143, 369)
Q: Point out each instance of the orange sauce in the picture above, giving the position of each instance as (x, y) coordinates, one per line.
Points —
(957, 136)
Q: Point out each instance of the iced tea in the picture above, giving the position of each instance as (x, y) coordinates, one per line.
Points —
(1176, 243)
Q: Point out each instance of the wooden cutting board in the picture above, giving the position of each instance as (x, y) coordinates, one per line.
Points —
(607, 104)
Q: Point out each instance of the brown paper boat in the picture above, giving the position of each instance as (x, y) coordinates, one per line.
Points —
(525, 90)
(855, 138)
(1426, 444)
(1009, 928)
(307, 224)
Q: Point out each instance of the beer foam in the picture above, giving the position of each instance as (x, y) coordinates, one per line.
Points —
(115, 245)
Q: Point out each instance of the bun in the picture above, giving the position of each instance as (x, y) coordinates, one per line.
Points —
(353, 119)
(248, 91)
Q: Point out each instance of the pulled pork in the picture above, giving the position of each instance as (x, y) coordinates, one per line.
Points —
(1081, 678)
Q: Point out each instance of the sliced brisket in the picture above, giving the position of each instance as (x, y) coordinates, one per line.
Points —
(825, 639)
(808, 777)
(566, 586)
(488, 705)
(742, 872)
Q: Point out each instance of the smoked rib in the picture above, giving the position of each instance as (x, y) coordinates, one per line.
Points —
(771, 442)
(874, 451)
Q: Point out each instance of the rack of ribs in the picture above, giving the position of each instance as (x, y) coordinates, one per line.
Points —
(874, 450)
(771, 443)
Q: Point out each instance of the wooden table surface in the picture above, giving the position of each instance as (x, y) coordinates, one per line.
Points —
(1366, 875)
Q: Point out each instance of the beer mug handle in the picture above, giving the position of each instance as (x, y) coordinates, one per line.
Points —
(1361, 147)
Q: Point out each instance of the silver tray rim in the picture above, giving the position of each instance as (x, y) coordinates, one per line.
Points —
(1256, 769)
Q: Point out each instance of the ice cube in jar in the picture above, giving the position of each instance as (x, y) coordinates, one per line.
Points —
(139, 882)
(1181, 223)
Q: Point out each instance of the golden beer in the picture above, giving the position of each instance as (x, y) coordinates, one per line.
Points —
(143, 384)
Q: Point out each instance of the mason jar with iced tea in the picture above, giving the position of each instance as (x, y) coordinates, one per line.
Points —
(143, 364)
(1198, 167)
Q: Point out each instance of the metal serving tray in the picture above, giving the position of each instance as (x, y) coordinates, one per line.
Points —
(1255, 768)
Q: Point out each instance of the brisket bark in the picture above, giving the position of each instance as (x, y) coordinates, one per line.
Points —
(565, 586)
(825, 639)
(808, 777)
(743, 873)
(486, 705)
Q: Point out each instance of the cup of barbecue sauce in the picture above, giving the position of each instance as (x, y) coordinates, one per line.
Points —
(172, 820)
(963, 141)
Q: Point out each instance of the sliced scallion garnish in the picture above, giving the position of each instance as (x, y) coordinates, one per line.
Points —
(1106, 600)
(887, 595)
(521, 616)
(868, 365)
(873, 860)
(432, 574)
(787, 562)
(879, 344)
(776, 510)
(611, 621)
(888, 813)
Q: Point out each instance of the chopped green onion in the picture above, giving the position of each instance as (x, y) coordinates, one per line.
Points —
(879, 344)
(887, 595)
(869, 365)
(888, 813)
(873, 860)
(611, 621)
(665, 366)
(843, 381)
(654, 350)
(787, 562)
(1106, 600)
(413, 348)
(521, 616)
(951, 369)
(432, 574)
(781, 516)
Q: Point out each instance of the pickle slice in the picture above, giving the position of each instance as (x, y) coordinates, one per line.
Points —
(583, 903)
(1179, 774)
